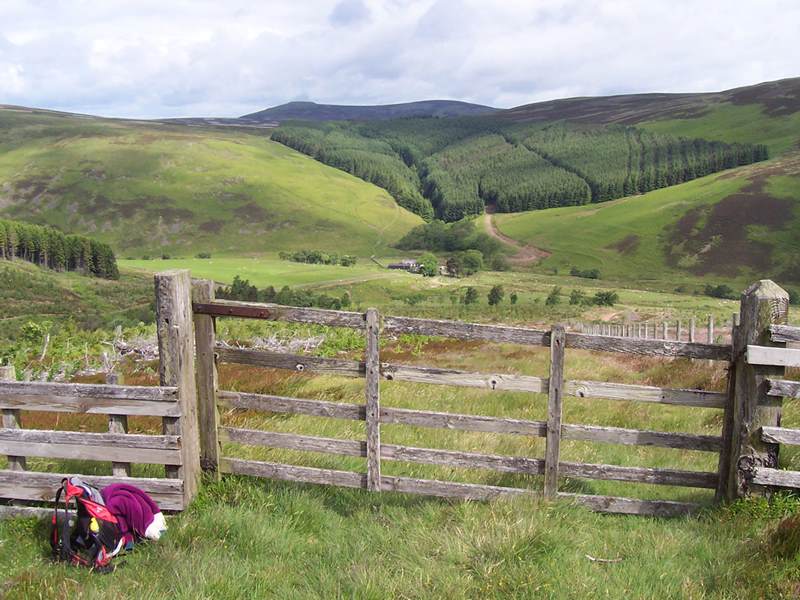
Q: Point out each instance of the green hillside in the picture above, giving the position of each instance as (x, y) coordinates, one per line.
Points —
(149, 188)
(738, 226)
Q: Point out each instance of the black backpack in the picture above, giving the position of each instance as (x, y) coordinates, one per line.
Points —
(89, 535)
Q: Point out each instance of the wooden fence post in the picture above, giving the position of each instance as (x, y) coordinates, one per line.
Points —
(118, 424)
(373, 392)
(554, 411)
(710, 334)
(664, 330)
(176, 369)
(207, 412)
(678, 330)
(11, 420)
(748, 406)
(692, 329)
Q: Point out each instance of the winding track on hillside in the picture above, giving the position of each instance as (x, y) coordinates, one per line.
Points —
(525, 254)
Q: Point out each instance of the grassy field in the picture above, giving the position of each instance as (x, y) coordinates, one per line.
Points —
(268, 270)
(736, 227)
(150, 189)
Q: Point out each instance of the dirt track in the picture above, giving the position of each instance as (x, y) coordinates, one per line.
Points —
(525, 254)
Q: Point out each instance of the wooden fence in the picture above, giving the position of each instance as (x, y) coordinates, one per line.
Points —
(188, 401)
(174, 402)
(692, 330)
(207, 309)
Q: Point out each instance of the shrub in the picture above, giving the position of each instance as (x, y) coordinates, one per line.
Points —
(587, 274)
(165, 256)
(720, 291)
(496, 295)
(606, 298)
(794, 296)
(553, 297)
(513, 298)
(472, 261)
(470, 296)
(577, 297)
(204, 255)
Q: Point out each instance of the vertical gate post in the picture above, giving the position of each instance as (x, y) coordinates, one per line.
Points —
(748, 407)
(118, 424)
(554, 411)
(207, 412)
(710, 333)
(373, 399)
(12, 420)
(176, 369)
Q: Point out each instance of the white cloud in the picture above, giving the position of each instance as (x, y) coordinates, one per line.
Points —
(203, 57)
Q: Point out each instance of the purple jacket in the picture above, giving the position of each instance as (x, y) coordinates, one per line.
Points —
(133, 508)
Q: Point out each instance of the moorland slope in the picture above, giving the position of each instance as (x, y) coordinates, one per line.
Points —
(149, 188)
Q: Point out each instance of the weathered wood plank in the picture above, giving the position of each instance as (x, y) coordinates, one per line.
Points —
(174, 328)
(293, 362)
(785, 333)
(280, 404)
(469, 460)
(632, 506)
(778, 357)
(466, 331)
(639, 437)
(206, 380)
(83, 438)
(372, 395)
(493, 382)
(780, 435)
(775, 477)
(293, 473)
(783, 388)
(554, 411)
(449, 489)
(12, 419)
(446, 489)
(31, 485)
(24, 512)
(698, 479)
(91, 452)
(439, 420)
(487, 381)
(277, 312)
(644, 393)
(648, 347)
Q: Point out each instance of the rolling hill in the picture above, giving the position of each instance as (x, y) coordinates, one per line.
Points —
(149, 188)
(736, 227)
(311, 111)
(765, 113)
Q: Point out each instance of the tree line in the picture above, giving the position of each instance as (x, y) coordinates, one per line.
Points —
(48, 247)
(452, 168)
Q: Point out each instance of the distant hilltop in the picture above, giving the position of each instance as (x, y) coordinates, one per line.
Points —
(311, 111)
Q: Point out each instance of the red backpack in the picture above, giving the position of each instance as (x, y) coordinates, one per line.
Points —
(88, 536)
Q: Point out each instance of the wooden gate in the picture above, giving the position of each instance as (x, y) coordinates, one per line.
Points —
(372, 325)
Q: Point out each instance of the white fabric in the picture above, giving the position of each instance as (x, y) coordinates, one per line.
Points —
(157, 528)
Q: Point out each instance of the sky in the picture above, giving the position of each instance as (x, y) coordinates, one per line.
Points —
(168, 58)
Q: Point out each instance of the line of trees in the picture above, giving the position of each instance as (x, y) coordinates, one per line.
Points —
(48, 247)
(452, 168)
